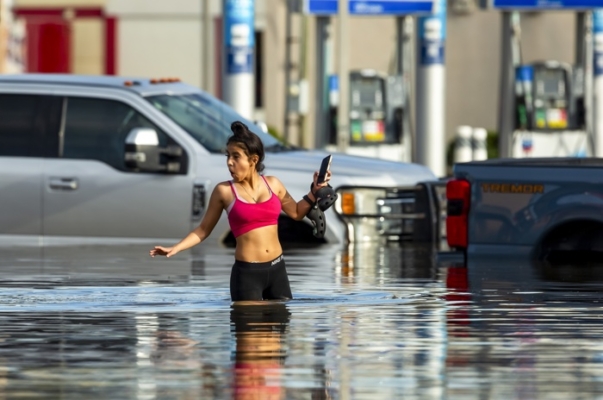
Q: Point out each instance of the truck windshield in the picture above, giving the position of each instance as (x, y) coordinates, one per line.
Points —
(207, 120)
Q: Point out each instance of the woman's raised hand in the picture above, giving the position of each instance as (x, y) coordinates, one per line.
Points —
(162, 251)
(316, 185)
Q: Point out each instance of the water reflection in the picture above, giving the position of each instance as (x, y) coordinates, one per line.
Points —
(525, 329)
(367, 322)
(260, 350)
(173, 349)
(365, 262)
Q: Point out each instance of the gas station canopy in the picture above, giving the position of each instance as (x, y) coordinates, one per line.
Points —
(370, 7)
(541, 5)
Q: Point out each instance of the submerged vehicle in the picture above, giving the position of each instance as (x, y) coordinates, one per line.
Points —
(539, 208)
(101, 159)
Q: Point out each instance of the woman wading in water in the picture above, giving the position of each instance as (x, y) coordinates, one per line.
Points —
(253, 203)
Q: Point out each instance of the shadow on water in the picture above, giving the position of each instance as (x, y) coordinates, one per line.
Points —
(560, 279)
(583, 272)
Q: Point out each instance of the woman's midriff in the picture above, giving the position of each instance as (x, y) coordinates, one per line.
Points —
(259, 245)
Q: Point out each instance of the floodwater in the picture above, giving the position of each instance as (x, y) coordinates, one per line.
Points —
(368, 322)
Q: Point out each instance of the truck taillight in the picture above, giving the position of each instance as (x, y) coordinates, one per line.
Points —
(458, 195)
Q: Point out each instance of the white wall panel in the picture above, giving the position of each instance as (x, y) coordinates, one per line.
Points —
(151, 49)
(87, 49)
(154, 7)
(60, 3)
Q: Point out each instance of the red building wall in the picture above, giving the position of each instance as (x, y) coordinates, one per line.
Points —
(50, 35)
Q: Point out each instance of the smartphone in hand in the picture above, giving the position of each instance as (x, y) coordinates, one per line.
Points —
(325, 166)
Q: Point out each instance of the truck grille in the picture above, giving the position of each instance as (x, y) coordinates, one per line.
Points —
(397, 214)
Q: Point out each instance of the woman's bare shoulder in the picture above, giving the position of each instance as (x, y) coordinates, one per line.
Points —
(273, 179)
(223, 188)
(225, 185)
(223, 193)
(276, 185)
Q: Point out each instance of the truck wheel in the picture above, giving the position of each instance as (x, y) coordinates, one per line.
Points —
(574, 242)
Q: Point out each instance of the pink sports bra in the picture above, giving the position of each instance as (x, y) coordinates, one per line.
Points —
(244, 217)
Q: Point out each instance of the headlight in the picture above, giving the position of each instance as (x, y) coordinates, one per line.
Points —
(358, 202)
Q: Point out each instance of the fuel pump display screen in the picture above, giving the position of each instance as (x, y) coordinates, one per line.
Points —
(367, 109)
(550, 98)
(367, 93)
(550, 83)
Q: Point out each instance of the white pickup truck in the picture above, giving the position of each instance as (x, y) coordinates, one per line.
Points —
(65, 175)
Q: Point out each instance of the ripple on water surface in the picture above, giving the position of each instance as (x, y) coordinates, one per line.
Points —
(172, 299)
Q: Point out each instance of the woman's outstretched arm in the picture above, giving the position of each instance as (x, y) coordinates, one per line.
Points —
(200, 233)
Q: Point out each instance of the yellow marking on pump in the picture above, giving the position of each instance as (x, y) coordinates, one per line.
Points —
(515, 188)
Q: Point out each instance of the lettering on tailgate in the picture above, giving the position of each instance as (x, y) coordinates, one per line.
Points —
(515, 188)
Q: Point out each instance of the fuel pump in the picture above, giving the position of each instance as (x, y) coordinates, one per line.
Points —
(367, 108)
(549, 111)
(377, 116)
(544, 97)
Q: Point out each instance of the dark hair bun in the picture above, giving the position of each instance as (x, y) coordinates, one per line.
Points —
(239, 128)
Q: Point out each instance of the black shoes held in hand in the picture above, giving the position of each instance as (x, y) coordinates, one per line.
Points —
(325, 197)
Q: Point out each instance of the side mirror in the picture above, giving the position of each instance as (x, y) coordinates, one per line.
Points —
(142, 152)
(262, 125)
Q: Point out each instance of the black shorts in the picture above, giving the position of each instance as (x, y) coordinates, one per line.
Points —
(260, 281)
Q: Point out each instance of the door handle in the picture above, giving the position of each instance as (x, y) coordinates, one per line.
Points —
(63, 183)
